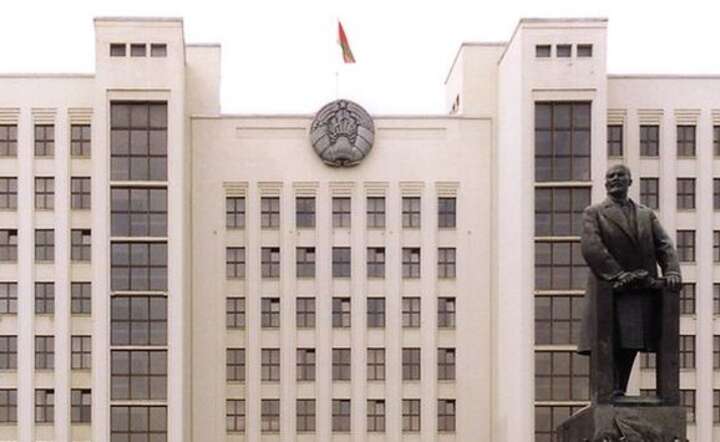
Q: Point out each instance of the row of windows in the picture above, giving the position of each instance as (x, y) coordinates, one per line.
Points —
(305, 314)
(80, 355)
(138, 49)
(306, 415)
(563, 50)
(80, 298)
(44, 140)
(341, 264)
(80, 245)
(686, 193)
(305, 212)
(45, 193)
(341, 364)
(686, 140)
(80, 406)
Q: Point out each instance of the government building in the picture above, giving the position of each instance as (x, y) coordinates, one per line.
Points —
(172, 273)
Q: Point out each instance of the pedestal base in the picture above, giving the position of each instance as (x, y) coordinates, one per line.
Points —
(634, 422)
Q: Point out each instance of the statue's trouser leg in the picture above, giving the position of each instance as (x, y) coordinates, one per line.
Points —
(624, 359)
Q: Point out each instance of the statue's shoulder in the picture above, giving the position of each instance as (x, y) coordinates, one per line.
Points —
(595, 208)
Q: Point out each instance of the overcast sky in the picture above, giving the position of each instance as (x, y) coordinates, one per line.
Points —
(281, 56)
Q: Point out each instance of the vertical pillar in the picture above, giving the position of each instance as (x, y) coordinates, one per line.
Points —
(393, 330)
(288, 335)
(323, 306)
(252, 314)
(428, 307)
(358, 298)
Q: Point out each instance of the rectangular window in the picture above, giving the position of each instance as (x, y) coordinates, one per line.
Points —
(648, 361)
(305, 415)
(411, 312)
(686, 245)
(716, 193)
(138, 320)
(685, 141)
(270, 262)
(615, 140)
(716, 406)
(411, 364)
(44, 193)
(376, 312)
(235, 365)
(687, 400)
(410, 415)
(549, 417)
(305, 212)
(81, 352)
(81, 241)
(158, 50)
(558, 319)
(716, 140)
(562, 141)
(446, 364)
(685, 193)
(235, 212)
(559, 265)
(650, 192)
(270, 415)
(44, 140)
(411, 262)
(138, 422)
(8, 298)
(446, 263)
(8, 245)
(341, 262)
(376, 262)
(270, 212)
(80, 193)
(80, 140)
(543, 51)
(270, 365)
(340, 364)
(117, 49)
(8, 354)
(446, 415)
(687, 299)
(8, 193)
(8, 140)
(376, 364)
(563, 51)
(138, 266)
(80, 298)
(8, 406)
(584, 50)
(411, 211)
(44, 352)
(138, 50)
(649, 140)
(138, 374)
(558, 211)
(687, 351)
(44, 298)
(305, 313)
(138, 211)
(81, 405)
(138, 141)
(305, 364)
(341, 212)
(561, 376)
(447, 212)
(341, 415)
(716, 352)
(235, 313)
(270, 312)
(376, 212)
(376, 415)
(716, 245)
(235, 262)
(235, 415)
(446, 312)
(305, 259)
(44, 406)
(341, 312)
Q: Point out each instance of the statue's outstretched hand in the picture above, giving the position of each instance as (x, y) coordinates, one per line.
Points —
(673, 281)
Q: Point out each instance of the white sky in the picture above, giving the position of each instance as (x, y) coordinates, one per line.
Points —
(281, 56)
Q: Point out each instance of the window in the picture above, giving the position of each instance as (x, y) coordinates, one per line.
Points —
(340, 364)
(235, 365)
(411, 364)
(411, 312)
(376, 212)
(235, 262)
(8, 140)
(411, 211)
(716, 193)
(145, 423)
(584, 50)
(81, 352)
(446, 312)
(138, 320)
(341, 312)
(80, 298)
(716, 245)
(81, 405)
(446, 415)
(138, 211)
(558, 319)
(376, 364)
(138, 266)
(8, 354)
(235, 415)
(558, 211)
(44, 298)
(648, 361)
(137, 50)
(270, 312)
(8, 405)
(235, 212)
(447, 212)
(44, 406)
(305, 313)
(559, 265)
(376, 415)
(80, 193)
(410, 415)
(305, 212)
(615, 140)
(44, 140)
(138, 374)
(138, 141)
(686, 245)
(411, 262)
(8, 245)
(685, 193)
(44, 352)
(8, 193)
(341, 415)
(270, 365)
(687, 400)
(446, 262)
(649, 140)
(650, 192)
(117, 49)
(8, 298)
(716, 406)
(549, 417)
(305, 364)
(305, 415)
(270, 415)
(81, 241)
(716, 299)
(542, 51)
(80, 136)
(562, 141)
(446, 364)
(44, 193)
(341, 262)
(563, 51)
(376, 262)
(270, 262)
(716, 352)
(561, 376)
(270, 212)
(341, 212)
(235, 313)
(305, 262)
(716, 140)
(687, 299)
(687, 351)
(158, 50)
(686, 141)
(376, 312)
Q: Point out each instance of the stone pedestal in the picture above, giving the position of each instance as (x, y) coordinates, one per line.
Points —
(632, 422)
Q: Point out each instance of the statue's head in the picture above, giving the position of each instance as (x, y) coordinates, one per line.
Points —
(618, 180)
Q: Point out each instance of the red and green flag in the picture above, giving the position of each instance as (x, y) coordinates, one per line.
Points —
(342, 39)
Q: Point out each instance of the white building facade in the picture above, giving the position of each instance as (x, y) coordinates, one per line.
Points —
(170, 272)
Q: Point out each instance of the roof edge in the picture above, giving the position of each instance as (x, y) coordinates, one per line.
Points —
(664, 76)
(137, 19)
(472, 43)
(46, 75)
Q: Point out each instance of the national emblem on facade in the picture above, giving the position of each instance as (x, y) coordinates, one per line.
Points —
(342, 133)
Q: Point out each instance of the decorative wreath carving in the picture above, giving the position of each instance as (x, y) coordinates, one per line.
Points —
(342, 133)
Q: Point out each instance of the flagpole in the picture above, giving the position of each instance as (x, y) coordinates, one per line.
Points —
(337, 84)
